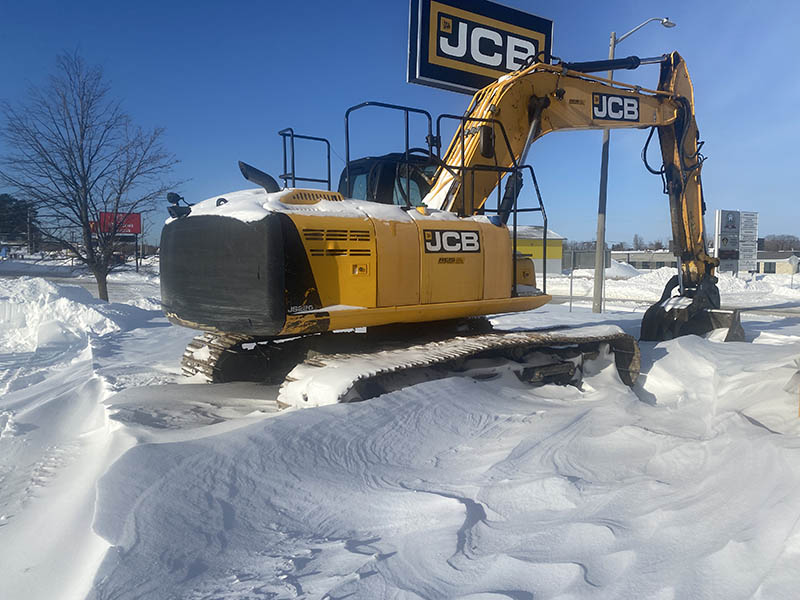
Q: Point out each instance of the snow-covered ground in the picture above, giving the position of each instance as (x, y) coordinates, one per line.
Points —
(49, 267)
(627, 286)
(120, 479)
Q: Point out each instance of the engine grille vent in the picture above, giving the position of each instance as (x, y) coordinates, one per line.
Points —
(340, 252)
(314, 235)
(310, 196)
(336, 235)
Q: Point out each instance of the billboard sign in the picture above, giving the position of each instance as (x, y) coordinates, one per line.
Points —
(726, 240)
(127, 223)
(463, 45)
(748, 241)
(736, 240)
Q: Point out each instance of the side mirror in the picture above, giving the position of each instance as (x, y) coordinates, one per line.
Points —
(176, 212)
(173, 198)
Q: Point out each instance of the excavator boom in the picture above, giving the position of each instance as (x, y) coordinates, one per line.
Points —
(531, 102)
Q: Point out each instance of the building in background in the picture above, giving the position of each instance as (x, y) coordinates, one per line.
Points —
(529, 242)
(781, 262)
(646, 259)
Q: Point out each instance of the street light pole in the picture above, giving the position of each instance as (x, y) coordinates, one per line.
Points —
(600, 246)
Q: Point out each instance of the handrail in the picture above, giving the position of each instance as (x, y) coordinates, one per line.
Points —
(286, 175)
(429, 139)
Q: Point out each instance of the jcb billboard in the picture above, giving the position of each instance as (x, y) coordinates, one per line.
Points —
(462, 45)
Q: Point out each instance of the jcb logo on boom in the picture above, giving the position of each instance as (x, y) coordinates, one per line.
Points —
(480, 44)
(442, 240)
(615, 108)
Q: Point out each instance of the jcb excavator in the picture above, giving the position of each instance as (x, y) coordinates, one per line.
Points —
(345, 295)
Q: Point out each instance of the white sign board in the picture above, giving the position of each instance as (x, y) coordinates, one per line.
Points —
(748, 241)
(726, 240)
(736, 240)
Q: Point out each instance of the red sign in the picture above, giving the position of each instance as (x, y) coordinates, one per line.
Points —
(126, 223)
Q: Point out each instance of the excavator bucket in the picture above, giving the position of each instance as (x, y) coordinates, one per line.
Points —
(695, 312)
(676, 317)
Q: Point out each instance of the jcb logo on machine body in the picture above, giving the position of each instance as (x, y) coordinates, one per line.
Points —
(445, 240)
(610, 107)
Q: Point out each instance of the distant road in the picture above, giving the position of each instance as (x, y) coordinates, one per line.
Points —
(787, 309)
(115, 288)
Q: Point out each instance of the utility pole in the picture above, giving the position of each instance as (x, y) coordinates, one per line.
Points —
(600, 248)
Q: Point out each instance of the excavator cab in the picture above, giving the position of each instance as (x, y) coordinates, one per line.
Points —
(397, 178)
(393, 178)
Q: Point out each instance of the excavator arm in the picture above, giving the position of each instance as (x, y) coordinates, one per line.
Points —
(506, 117)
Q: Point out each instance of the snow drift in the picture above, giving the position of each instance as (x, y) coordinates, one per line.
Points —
(36, 313)
(117, 483)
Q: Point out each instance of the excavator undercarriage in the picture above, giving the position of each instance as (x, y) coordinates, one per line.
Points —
(351, 366)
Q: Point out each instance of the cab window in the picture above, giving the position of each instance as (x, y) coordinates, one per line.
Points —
(359, 186)
(400, 186)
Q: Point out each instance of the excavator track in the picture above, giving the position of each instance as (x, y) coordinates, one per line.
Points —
(202, 355)
(315, 372)
(222, 358)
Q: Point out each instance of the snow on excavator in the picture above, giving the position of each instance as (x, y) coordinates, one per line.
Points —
(345, 295)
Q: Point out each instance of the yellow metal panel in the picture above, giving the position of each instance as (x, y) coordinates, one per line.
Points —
(526, 272)
(398, 268)
(497, 261)
(342, 254)
(449, 276)
(319, 321)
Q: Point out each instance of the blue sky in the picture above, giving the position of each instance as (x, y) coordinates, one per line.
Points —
(223, 78)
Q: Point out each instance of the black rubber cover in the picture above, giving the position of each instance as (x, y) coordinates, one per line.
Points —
(219, 273)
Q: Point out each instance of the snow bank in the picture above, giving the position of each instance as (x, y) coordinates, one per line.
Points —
(623, 282)
(62, 353)
(491, 489)
(36, 313)
(617, 270)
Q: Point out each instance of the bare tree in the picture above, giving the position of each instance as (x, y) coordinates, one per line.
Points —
(780, 242)
(74, 154)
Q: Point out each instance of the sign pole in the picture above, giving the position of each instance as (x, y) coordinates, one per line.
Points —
(600, 240)
(571, 273)
(136, 249)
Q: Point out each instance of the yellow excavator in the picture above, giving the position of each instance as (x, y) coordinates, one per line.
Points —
(343, 295)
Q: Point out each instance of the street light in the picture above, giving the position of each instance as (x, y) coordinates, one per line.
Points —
(600, 254)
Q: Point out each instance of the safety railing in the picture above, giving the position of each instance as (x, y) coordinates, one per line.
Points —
(430, 141)
(503, 212)
(291, 136)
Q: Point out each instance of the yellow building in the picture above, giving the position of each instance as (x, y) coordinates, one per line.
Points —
(529, 242)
